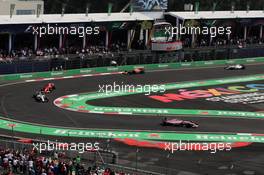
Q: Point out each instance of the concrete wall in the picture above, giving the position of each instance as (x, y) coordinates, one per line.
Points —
(20, 6)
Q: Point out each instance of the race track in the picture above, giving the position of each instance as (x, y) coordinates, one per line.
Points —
(17, 104)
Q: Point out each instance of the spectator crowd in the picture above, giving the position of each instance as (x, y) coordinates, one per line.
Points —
(99, 50)
(54, 52)
(29, 162)
(222, 42)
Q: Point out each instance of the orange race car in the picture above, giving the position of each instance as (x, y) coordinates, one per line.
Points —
(140, 70)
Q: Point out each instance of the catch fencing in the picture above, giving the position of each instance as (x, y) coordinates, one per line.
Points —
(135, 57)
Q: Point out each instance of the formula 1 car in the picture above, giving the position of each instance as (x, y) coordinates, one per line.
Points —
(177, 122)
(135, 71)
(40, 97)
(235, 67)
(48, 88)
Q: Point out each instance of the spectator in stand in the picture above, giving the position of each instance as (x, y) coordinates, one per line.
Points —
(29, 162)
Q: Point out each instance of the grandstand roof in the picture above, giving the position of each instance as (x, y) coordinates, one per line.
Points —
(218, 14)
(136, 16)
(77, 18)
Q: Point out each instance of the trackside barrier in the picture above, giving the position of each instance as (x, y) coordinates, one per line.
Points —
(129, 67)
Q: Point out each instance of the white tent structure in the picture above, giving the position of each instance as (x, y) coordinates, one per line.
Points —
(79, 18)
(218, 14)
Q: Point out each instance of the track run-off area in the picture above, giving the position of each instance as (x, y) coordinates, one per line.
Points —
(76, 100)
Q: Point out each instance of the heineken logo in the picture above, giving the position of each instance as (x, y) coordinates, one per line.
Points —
(56, 73)
(85, 70)
(26, 76)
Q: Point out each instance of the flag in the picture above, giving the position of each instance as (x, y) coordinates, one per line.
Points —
(12, 8)
(232, 7)
(63, 9)
(197, 4)
(38, 10)
(248, 7)
(87, 9)
(214, 6)
(131, 9)
(110, 5)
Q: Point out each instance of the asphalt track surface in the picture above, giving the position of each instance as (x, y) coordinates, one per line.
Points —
(16, 103)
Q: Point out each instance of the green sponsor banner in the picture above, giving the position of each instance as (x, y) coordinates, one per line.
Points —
(129, 67)
(112, 69)
(140, 135)
(56, 74)
(85, 71)
(10, 77)
(42, 75)
(25, 76)
(187, 64)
